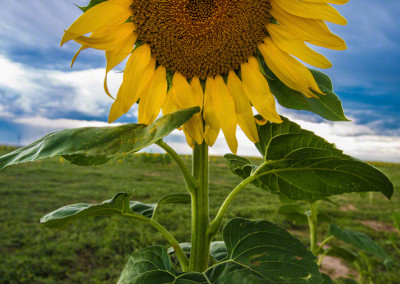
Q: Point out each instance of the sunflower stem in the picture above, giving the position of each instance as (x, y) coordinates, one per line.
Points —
(312, 223)
(200, 214)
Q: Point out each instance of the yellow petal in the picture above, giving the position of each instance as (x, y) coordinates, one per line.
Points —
(257, 90)
(153, 96)
(110, 39)
(169, 105)
(291, 72)
(309, 30)
(115, 57)
(212, 126)
(116, 110)
(134, 74)
(185, 98)
(197, 91)
(224, 109)
(243, 107)
(103, 15)
(189, 139)
(83, 47)
(289, 43)
(337, 2)
(77, 53)
(313, 10)
(184, 93)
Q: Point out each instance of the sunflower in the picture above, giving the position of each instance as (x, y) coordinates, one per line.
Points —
(207, 53)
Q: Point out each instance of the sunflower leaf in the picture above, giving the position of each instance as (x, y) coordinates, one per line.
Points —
(90, 146)
(303, 166)
(358, 240)
(256, 252)
(327, 106)
(118, 205)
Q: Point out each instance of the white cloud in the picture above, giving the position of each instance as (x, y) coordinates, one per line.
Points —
(57, 124)
(44, 92)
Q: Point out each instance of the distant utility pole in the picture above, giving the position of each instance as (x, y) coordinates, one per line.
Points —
(19, 139)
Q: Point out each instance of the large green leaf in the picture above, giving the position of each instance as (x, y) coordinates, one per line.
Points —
(303, 166)
(358, 240)
(257, 252)
(327, 106)
(96, 145)
(118, 205)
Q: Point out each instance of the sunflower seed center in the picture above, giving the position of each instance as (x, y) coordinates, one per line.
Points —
(201, 38)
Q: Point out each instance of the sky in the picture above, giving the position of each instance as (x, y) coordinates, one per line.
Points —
(40, 93)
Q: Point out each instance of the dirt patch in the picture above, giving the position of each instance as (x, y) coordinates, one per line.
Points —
(151, 174)
(378, 226)
(349, 207)
(335, 268)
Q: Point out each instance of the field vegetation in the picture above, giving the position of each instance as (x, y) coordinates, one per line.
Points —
(95, 250)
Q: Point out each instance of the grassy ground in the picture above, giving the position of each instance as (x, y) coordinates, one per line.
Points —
(96, 250)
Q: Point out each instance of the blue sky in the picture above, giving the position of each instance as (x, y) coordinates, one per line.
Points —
(40, 93)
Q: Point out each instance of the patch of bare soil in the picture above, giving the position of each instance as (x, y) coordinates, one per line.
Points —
(349, 207)
(336, 269)
(378, 226)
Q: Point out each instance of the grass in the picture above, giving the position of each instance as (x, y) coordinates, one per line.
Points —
(95, 250)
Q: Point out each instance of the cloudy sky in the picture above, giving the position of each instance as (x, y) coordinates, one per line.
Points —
(40, 93)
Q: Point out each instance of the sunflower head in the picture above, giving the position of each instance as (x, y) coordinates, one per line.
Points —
(209, 53)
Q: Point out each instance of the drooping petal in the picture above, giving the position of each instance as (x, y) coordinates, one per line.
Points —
(313, 31)
(224, 108)
(115, 57)
(134, 75)
(289, 43)
(110, 39)
(212, 127)
(103, 15)
(153, 96)
(77, 54)
(185, 99)
(116, 110)
(243, 107)
(257, 90)
(189, 139)
(197, 91)
(290, 71)
(170, 105)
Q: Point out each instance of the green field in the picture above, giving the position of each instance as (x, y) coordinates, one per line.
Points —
(96, 250)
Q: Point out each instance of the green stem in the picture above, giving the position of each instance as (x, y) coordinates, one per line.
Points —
(216, 223)
(200, 216)
(324, 242)
(183, 260)
(191, 182)
(322, 257)
(312, 223)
